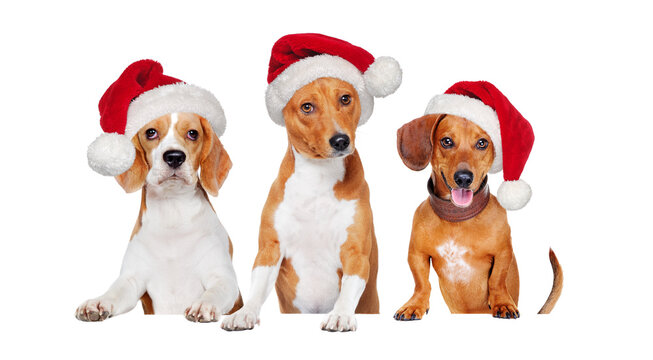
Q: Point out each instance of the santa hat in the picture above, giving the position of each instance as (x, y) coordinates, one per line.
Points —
(299, 59)
(512, 135)
(141, 94)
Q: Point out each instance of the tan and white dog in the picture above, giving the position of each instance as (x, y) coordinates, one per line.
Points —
(179, 257)
(316, 238)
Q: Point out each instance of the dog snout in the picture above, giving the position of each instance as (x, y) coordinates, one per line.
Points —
(463, 178)
(174, 158)
(339, 142)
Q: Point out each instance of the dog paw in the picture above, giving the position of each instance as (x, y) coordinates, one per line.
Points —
(504, 311)
(94, 310)
(202, 312)
(339, 322)
(411, 311)
(243, 319)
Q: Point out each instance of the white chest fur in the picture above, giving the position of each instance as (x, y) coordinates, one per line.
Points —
(455, 268)
(180, 241)
(312, 225)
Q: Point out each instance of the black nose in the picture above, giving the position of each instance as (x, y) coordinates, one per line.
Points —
(463, 178)
(339, 142)
(174, 158)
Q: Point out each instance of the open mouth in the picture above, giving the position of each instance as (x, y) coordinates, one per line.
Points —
(459, 197)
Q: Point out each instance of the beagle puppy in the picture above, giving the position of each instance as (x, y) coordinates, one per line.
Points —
(316, 240)
(179, 257)
(461, 229)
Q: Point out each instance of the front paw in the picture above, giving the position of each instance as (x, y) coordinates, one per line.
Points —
(504, 309)
(243, 319)
(202, 312)
(339, 322)
(94, 310)
(411, 311)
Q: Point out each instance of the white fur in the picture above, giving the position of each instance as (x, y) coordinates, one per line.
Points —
(514, 195)
(179, 97)
(342, 317)
(475, 111)
(311, 224)
(309, 69)
(263, 279)
(111, 154)
(383, 77)
(180, 255)
(456, 268)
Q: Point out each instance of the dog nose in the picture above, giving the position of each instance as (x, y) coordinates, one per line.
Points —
(463, 178)
(339, 142)
(174, 158)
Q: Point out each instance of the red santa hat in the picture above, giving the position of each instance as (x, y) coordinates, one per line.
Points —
(512, 135)
(299, 59)
(141, 94)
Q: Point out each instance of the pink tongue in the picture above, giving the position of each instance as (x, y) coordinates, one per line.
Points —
(462, 197)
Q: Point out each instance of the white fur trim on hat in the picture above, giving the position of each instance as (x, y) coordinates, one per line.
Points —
(475, 111)
(514, 195)
(111, 154)
(383, 77)
(179, 97)
(309, 69)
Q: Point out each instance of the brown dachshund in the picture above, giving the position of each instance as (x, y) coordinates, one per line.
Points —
(461, 229)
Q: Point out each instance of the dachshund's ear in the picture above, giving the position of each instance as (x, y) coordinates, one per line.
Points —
(134, 178)
(214, 161)
(414, 141)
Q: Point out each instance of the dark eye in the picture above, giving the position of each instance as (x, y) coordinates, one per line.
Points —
(481, 144)
(345, 99)
(192, 134)
(307, 108)
(446, 142)
(151, 134)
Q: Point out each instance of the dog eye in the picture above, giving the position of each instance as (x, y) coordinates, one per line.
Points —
(446, 142)
(345, 99)
(481, 144)
(151, 134)
(192, 134)
(307, 108)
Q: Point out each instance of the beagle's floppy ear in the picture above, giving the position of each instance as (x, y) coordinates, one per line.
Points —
(414, 141)
(134, 178)
(214, 161)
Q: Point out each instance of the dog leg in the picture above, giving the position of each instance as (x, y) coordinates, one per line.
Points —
(342, 317)
(500, 302)
(354, 256)
(220, 295)
(121, 297)
(264, 275)
(418, 305)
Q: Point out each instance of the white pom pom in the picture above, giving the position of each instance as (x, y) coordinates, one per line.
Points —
(383, 77)
(514, 195)
(111, 154)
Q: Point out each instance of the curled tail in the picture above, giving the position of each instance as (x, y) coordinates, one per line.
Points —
(557, 284)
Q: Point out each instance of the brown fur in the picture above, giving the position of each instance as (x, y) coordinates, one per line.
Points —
(493, 286)
(206, 154)
(309, 134)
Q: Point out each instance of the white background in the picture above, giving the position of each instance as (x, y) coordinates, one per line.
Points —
(581, 73)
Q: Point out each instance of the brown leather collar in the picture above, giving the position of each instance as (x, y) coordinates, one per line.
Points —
(446, 210)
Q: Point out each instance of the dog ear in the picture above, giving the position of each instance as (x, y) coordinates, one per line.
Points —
(214, 161)
(134, 178)
(414, 141)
